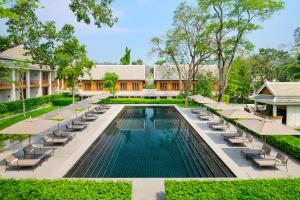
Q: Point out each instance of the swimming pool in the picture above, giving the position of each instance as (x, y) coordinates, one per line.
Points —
(149, 142)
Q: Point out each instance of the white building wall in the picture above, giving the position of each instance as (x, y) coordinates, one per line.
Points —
(5, 96)
(34, 92)
(293, 116)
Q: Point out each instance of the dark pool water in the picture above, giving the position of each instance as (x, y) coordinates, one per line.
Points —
(149, 142)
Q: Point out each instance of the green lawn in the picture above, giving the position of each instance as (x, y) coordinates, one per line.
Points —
(246, 189)
(8, 122)
(63, 189)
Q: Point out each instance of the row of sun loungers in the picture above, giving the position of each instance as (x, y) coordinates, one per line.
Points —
(34, 156)
(261, 157)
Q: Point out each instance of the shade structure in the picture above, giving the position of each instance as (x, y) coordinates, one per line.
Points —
(238, 114)
(267, 128)
(62, 115)
(93, 100)
(203, 100)
(220, 106)
(32, 126)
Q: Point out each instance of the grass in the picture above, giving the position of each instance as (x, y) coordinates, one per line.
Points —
(63, 189)
(13, 120)
(244, 189)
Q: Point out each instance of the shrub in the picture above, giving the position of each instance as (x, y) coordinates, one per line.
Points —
(63, 189)
(30, 104)
(245, 189)
(289, 144)
(63, 101)
(142, 101)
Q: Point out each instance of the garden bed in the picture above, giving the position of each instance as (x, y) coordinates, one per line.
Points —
(244, 189)
(63, 189)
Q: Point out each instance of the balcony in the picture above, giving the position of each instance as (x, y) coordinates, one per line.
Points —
(45, 83)
(54, 83)
(5, 86)
(34, 83)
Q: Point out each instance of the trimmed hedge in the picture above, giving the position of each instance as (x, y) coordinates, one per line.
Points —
(64, 101)
(245, 189)
(289, 144)
(63, 189)
(30, 104)
(141, 101)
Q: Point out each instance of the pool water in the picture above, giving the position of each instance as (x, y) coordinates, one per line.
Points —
(149, 142)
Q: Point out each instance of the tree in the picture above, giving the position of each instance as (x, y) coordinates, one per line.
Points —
(72, 62)
(160, 62)
(231, 21)
(204, 85)
(137, 62)
(187, 44)
(109, 82)
(98, 11)
(125, 60)
(5, 43)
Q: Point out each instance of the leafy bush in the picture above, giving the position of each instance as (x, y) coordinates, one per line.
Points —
(142, 101)
(63, 189)
(64, 101)
(30, 104)
(244, 189)
(149, 86)
(289, 144)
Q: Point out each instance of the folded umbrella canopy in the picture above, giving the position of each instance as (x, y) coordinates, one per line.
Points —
(32, 126)
(238, 114)
(62, 115)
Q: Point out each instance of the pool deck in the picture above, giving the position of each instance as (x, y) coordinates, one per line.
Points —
(66, 156)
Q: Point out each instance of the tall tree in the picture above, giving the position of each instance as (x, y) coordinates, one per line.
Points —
(187, 44)
(231, 21)
(138, 62)
(109, 82)
(72, 62)
(125, 60)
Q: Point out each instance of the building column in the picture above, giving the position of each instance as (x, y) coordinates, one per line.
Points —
(274, 110)
(50, 83)
(28, 84)
(40, 91)
(58, 87)
(62, 84)
(13, 89)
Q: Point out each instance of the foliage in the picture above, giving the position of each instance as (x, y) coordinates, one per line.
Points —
(149, 86)
(142, 101)
(125, 60)
(160, 62)
(204, 85)
(109, 82)
(294, 68)
(138, 62)
(16, 106)
(64, 101)
(64, 189)
(72, 61)
(230, 21)
(98, 11)
(289, 144)
(187, 44)
(240, 189)
(240, 80)
(5, 43)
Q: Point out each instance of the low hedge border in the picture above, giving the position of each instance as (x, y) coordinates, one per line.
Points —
(243, 189)
(141, 101)
(64, 189)
(30, 104)
(63, 101)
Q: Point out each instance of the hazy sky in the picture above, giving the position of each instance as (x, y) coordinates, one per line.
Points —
(140, 20)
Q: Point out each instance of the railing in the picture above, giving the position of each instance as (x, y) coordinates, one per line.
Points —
(4, 85)
(54, 83)
(34, 83)
(45, 82)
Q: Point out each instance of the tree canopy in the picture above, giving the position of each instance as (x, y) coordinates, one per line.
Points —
(109, 82)
(125, 60)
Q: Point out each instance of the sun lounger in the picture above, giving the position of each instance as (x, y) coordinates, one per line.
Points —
(220, 127)
(37, 152)
(205, 117)
(254, 153)
(227, 135)
(279, 160)
(75, 127)
(55, 140)
(88, 117)
(12, 161)
(79, 122)
(198, 111)
(241, 140)
(99, 110)
(59, 134)
(104, 106)
(215, 122)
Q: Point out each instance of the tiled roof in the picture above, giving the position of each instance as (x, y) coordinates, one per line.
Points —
(169, 72)
(125, 72)
(282, 89)
(15, 53)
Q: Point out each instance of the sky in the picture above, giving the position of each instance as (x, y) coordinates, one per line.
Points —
(140, 20)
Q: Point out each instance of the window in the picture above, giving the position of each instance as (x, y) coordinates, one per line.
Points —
(175, 86)
(123, 86)
(163, 86)
(99, 86)
(87, 86)
(135, 86)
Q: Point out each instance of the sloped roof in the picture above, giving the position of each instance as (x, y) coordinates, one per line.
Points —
(15, 53)
(169, 72)
(125, 72)
(282, 89)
